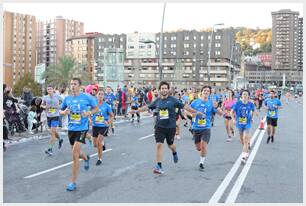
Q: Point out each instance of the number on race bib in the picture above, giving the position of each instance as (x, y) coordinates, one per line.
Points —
(164, 114)
(99, 119)
(242, 120)
(202, 122)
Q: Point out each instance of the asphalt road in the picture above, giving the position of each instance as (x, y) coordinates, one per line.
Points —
(273, 173)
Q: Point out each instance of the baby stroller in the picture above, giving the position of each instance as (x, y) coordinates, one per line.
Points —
(14, 121)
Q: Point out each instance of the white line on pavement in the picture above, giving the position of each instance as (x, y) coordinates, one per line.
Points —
(222, 187)
(145, 137)
(231, 198)
(60, 166)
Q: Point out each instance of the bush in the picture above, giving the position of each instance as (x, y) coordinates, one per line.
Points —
(29, 82)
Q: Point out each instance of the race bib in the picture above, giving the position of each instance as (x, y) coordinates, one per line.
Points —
(76, 118)
(272, 113)
(99, 119)
(52, 110)
(202, 122)
(242, 120)
(176, 110)
(164, 114)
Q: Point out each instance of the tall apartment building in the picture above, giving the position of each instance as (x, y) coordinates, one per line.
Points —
(300, 45)
(286, 49)
(52, 36)
(185, 58)
(81, 48)
(106, 45)
(19, 46)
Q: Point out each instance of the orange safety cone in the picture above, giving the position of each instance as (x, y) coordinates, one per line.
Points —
(261, 125)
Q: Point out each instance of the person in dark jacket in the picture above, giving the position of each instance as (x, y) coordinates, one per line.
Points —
(27, 96)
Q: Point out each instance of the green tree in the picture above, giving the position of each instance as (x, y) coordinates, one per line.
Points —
(60, 74)
(27, 81)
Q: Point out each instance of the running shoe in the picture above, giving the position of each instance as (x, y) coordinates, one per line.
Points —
(201, 166)
(229, 139)
(103, 148)
(98, 162)
(90, 142)
(113, 130)
(249, 146)
(138, 119)
(71, 186)
(158, 170)
(178, 137)
(86, 163)
(49, 152)
(272, 138)
(243, 160)
(175, 158)
(268, 140)
(60, 143)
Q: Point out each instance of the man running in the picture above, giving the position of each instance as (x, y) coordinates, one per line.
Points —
(242, 115)
(135, 106)
(272, 105)
(202, 124)
(100, 123)
(165, 126)
(51, 104)
(76, 107)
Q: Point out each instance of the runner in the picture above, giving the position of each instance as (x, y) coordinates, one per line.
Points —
(205, 108)
(272, 105)
(100, 123)
(76, 106)
(135, 106)
(165, 123)
(51, 104)
(288, 96)
(110, 99)
(242, 115)
(227, 106)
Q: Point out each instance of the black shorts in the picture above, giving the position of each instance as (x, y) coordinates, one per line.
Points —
(79, 136)
(99, 130)
(134, 107)
(201, 135)
(164, 133)
(228, 117)
(272, 121)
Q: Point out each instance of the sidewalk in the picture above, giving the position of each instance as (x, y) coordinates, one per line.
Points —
(25, 136)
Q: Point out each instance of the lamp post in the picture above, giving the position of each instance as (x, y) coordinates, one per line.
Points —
(209, 51)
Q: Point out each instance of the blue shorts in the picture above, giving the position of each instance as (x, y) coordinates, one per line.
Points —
(53, 122)
(244, 130)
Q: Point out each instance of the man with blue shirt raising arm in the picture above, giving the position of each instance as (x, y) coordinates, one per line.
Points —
(272, 104)
(203, 122)
(242, 115)
(165, 127)
(76, 107)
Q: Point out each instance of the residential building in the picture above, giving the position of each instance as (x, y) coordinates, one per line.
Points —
(19, 38)
(52, 36)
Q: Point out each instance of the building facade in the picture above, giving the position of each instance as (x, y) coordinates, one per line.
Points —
(19, 46)
(52, 36)
(185, 59)
(81, 48)
(105, 45)
(287, 45)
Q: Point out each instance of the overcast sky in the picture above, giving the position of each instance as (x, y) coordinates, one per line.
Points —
(146, 17)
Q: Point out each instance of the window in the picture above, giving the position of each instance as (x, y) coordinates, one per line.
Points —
(186, 45)
(217, 45)
(202, 37)
(173, 37)
(194, 37)
(217, 37)
(165, 38)
(217, 53)
(186, 38)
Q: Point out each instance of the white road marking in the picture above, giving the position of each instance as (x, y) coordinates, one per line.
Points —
(145, 137)
(60, 166)
(231, 198)
(222, 187)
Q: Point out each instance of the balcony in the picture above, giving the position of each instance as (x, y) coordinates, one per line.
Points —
(226, 64)
(149, 64)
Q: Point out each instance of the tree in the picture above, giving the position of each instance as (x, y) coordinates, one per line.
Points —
(27, 81)
(61, 73)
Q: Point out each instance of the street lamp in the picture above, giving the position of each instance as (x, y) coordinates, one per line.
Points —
(159, 62)
(209, 50)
